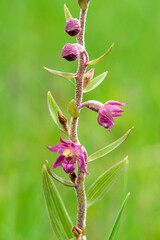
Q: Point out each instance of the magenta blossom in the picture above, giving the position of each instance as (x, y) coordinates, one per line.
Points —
(106, 113)
(69, 154)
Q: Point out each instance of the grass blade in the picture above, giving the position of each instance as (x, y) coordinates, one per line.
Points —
(117, 222)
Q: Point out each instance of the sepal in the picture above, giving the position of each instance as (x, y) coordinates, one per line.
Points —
(97, 60)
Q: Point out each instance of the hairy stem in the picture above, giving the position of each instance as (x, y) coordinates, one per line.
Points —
(79, 78)
(80, 188)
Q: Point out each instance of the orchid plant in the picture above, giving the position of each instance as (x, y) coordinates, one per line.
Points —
(71, 151)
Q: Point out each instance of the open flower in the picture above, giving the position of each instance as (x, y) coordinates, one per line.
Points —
(69, 154)
(72, 27)
(106, 113)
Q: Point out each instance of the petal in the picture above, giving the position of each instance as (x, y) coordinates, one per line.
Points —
(82, 164)
(116, 114)
(58, 162)
(111, 108)
(84, 169)
(104, 118)
(112, 102)
(67, 143)
(85, 155)
(57, 148)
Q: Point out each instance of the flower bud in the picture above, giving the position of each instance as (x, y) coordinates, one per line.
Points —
(63, 121)
(88, 77)
(77, 232)
(70, 52)
(72, 27)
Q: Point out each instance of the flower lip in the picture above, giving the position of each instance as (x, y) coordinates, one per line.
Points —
(69, 154)
(72, 27)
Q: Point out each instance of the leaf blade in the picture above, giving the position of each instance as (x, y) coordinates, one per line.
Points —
(67, 13)
(95, 82)
(97, 60)
(117, 222)
(65, 75)
(58, 215)
(104, 151)
(104, 183)
(54, 109)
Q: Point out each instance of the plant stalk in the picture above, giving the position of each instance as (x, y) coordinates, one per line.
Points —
(80, 188)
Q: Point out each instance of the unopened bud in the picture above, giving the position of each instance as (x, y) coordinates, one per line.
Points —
(63, 121)
(76, 231)
(72, 27)
(88, 77)
(70, 52)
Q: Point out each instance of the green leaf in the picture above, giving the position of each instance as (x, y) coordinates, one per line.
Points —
(72, 109)
(57, 212)
(60, 74)
(54, 109)
(82, 4)
(117, 222)
(67, 13)
(104, 183)
(95, 82)
(104, 151)
(95, 61)
(59, 179)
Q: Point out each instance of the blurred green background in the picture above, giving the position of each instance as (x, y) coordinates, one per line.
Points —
(32, 36)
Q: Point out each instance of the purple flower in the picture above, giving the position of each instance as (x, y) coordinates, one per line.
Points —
(69, 154)
(72, 27)
(70, 52)
(106, 113)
